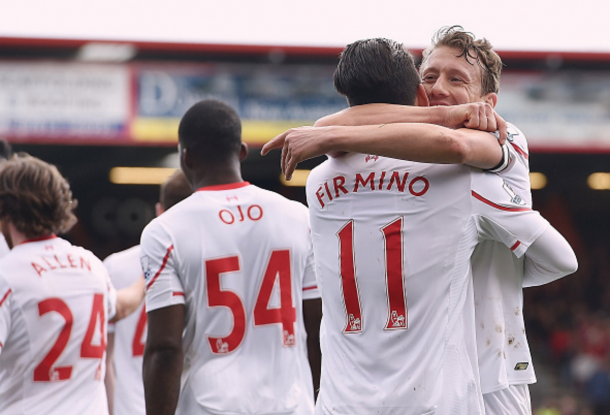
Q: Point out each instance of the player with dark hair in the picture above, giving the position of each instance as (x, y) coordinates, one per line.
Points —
(126, 338)
(392, 241)
(211, 130)
(477, 150)
(387, 60)
(172, 191)
(228, 270)
(458, 71)
(54, 299)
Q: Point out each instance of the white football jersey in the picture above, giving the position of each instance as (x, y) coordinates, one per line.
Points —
(129, 336)
(55, 299)
(4, 249)
(504, 354)
(241, 261)
(392, 242)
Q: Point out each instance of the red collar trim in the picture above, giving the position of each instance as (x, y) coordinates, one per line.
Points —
(38, 239)
(229, 186)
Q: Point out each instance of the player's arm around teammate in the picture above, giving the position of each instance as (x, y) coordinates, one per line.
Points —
(407, 139)
(415, 142)
(477, 115)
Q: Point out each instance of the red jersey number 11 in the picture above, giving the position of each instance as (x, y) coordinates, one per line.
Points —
(394, 270)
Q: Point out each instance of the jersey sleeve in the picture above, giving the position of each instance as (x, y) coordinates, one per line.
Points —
(5, 312)
(111, 297)
(112, 294)
(549, 258)
(518, 146)
(517, 173)
(503, 216)
(310, 285)
(504, 163)
(158, 260)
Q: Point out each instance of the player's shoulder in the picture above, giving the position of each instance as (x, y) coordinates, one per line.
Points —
(176, 220)
(5, 283)
(123, 256)
(513, 129)
(318, 171)
(11, 265)
(155, 229)
(85, 253)
(4, 249)
(517, 139)
(177, 214)
(281, 202)
(491, 190)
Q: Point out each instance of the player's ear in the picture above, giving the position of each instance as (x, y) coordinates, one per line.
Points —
(491, 99)
(186, 160)
(243, 151)
(421, 99)
(158, 209)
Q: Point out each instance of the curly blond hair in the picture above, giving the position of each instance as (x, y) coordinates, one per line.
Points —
(35, 197)
(471, 48)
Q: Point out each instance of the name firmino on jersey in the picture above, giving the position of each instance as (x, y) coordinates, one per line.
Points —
(375, 181)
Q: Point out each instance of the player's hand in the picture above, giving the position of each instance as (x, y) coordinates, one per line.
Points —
(298, 144)
(477, 116)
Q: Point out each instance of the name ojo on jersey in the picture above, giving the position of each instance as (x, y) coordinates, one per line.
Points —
(375, 181)
(252, 212)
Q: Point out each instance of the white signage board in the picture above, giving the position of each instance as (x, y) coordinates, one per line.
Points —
(62, 100)
(558, 110)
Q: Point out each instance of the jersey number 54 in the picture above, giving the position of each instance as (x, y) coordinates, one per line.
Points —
(285, 314)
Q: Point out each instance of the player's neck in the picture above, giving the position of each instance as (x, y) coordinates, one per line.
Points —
(14, 236)
(218, 177)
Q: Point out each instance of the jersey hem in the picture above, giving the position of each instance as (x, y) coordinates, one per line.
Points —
(153, 307)
(506, 385)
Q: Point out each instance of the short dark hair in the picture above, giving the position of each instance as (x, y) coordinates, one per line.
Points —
(479, 50)
(376, 71)
(174, 190)
(213, 128)
(35, 197)
(5, 150)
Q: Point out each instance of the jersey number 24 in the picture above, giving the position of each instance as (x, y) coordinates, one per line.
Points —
(45, 371)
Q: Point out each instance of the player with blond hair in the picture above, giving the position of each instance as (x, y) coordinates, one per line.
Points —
(460, 74)
(393, 240)
(5, 153)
